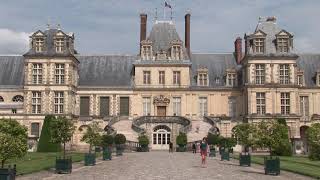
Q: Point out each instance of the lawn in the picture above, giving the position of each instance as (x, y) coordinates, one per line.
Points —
(34, 161)
(299, 165)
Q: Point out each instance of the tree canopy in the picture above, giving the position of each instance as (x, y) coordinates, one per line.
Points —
(92, 135)
(313, 137)
(244, 134)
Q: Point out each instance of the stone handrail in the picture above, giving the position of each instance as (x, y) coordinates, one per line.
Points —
(136, 123)
(110, 130)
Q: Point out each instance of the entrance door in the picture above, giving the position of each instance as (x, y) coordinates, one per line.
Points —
(161, 111)
(161, 138)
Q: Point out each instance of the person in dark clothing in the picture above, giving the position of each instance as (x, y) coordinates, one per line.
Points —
(194, 150)
(170, 147)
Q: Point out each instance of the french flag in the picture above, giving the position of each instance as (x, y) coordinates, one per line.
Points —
(167, 5)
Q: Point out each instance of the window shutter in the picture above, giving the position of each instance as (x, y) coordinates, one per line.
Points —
(84, 106)
(104, 106)
(124, 106)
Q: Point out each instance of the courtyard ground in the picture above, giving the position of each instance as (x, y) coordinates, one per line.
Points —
(160, 165)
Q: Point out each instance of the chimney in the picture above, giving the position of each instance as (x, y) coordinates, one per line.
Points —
(187, 33)
(143, 27)
(238, 49)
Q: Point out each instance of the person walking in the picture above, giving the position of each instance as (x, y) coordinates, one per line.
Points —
(194, 148)
(170, 147)
(203, 151)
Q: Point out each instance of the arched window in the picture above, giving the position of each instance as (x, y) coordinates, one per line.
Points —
(161, 127)
(1, 99)
(17, 98)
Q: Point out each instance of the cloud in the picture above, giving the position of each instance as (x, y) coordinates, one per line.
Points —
(12, 42)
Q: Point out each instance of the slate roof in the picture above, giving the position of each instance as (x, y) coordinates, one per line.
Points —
(216, 65)
(11, 71)
(109, 70)
(310, 64)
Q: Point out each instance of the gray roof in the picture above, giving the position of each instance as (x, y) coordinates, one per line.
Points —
(217, 64)
(49, 45)
(111, 70)
(11, 71)
(310, 64)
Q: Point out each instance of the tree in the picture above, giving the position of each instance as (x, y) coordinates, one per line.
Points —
(107, 140)
(182, 139)
(213, 139)
(92, 135)
(45, 144)
(313, 137)
(120, 139)
(61, 131)
(143, 140)
(227, 142)
(13, 140)
(243, 133)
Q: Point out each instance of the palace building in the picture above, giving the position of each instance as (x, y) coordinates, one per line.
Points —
(166, 88)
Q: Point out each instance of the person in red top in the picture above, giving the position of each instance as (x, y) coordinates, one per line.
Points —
(203, 151)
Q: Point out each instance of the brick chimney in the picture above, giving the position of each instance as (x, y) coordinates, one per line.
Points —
(238, 49)
(143, 27)
(187, 33)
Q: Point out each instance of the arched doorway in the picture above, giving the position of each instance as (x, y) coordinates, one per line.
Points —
(303, 137)
(161, 137)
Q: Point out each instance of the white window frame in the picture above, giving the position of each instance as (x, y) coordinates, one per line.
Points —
(146, 52)
(58, 102)
(146, 103)
(176, 77)
(203, 106)
(284, 73)
(258, 45)
(304, 106)
(260, 73)
(146, 77)
(231, 79)
(203, 79)
(300, 79)
(176, 52)
(261, 103)
(60, 73)
(36, 102)
(162, 77)
(37, 73)
(176, 104)
(285, 103)
(39, 44)
(59, 44)
(283, 45)
(232, 107)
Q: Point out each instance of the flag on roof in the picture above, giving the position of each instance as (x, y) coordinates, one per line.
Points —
(167, 5)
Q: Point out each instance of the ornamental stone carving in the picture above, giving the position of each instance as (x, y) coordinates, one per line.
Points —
(161, 101)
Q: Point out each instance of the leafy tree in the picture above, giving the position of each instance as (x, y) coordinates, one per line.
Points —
(13, 140)
(227, 142)
(62, 130)
(143, 140)
(243, 133)
(92, 135)
(107, 140)
(120, 139)
(213, 139)
(313, 137)
(282, 121)
(45, 144)
(182, 139)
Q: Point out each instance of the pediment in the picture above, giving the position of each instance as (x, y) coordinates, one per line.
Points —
(259, 33)
(284, 33)
(38, 33)
(60, 33)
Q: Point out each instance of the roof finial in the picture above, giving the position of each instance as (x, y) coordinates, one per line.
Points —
(48, 23)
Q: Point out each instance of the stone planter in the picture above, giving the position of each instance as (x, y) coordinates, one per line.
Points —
(89, 159)
(8, 173)
(271, 165)
(212, 153)
(107, 153)
(63, 166)
(245, 159)
(225, 156)
(119, 149)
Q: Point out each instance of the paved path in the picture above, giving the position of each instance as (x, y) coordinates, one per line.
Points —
(159, 165)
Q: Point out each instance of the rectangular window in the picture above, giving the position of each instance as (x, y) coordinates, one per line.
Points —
(146, 106)
(59, 73)
(146, 77)
(162, 77)
(300, 79)
(36, 73)
(203, 79)
(176, 77)
(259, 45)
(59, 42)
(104, 106)
(284, 74)
(36, 102)
(285, 103)
(176, 106)
(304, 106)
(35, 129)
(84, 106)
(261, 103)
(39, 44)
(231, 79)
(124, 106)
(232, 107)
(58, 102)
(260, 73)
(203, 104)
(176, 53)
(282, 45)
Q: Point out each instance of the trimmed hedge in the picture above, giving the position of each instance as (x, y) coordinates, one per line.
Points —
(45, 144)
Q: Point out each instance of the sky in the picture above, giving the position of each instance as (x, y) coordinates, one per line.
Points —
(112, 26)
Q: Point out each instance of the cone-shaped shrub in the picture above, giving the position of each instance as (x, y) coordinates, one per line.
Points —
(45, 144)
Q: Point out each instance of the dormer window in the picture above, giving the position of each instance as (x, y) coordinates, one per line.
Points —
(300, 78)
(231, 79)
(203, 77)
(59, 44)
(146, 50)
(318, 78)
(258, 44)
(39, 44)
(283, 45)
(176, 52)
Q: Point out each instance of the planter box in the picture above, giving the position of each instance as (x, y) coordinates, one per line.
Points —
(89, 159)
(212, 153)
(63, 166)
(225, 156)
(119, 149)
(8, 173)
(181, 149)
(245, 159)
(272, 165)
(143, 149)
(107, 153)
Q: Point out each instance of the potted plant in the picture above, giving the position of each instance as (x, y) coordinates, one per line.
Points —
(119, 140)
(270, 134)
(107, 142)
(212, 139)
(181, 142)
(13, 144)
(143, 142)
(243, 133)
(227, 143)
(313, 138)
(62, 130)
(92, 137)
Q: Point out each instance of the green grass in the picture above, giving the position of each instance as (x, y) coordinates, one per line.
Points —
(35, 161)
(299, 165)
